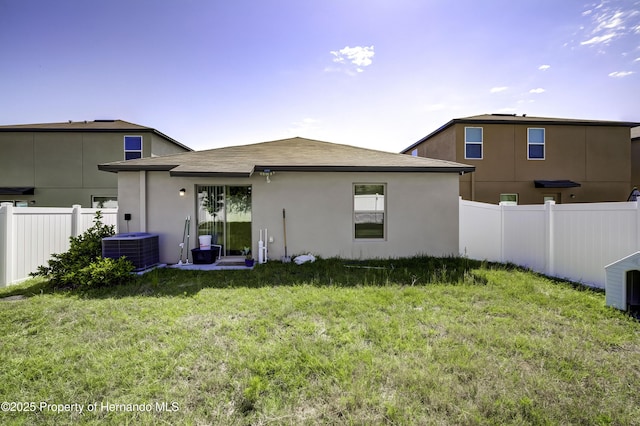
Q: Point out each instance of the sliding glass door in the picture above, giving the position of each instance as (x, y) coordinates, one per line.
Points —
(225, 213)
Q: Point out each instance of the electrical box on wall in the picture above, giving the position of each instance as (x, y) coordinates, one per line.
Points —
(127, 216)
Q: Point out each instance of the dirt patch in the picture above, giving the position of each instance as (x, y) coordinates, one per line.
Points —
(12, 298)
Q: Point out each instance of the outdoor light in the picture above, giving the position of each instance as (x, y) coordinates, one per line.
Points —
(182, 192)
(267, 173)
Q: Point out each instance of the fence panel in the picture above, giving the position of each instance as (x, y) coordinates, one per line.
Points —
(524, 238)
(37, 235)
(572, 241)
(588, 237)
(480, 231)
(30, 235)
(3, 245)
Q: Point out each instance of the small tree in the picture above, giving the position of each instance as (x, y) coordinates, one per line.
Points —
(82, 265)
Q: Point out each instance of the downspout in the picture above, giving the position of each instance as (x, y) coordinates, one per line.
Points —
(143, 201)
(473, 186)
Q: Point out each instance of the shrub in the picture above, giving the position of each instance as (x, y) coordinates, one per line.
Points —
(105, 272)
(83, 266)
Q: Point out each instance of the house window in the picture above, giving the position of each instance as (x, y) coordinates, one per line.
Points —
(369, 208)
(414, 153)
(509, 199)
(132, 147)
(473, 143)
(535, 141)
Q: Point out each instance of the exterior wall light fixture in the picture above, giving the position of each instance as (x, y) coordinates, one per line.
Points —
(182, 192)
(267, 173)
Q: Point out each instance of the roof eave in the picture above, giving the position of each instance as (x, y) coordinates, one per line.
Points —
(89, 130)
(115, 168)
(540, 122)
(391, 169)
(209, 174)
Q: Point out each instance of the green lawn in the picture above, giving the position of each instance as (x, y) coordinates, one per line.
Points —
(409, 341)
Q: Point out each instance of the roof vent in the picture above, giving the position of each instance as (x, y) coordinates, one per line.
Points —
(504, 115)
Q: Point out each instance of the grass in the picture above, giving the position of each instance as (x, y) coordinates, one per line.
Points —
(406, 341)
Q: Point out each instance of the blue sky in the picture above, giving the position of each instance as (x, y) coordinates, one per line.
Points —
(379, 74)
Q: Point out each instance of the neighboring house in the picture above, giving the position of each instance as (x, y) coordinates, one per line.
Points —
(56, 165)
(635, 156)
(527, 160)
(340, 200)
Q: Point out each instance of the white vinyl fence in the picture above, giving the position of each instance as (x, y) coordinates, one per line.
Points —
(572, 241)
(30, 235)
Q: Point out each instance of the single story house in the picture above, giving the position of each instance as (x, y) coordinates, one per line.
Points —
(340, 200)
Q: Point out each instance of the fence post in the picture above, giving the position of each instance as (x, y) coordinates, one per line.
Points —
(501, 204)
(76, 219)
(6, 252)
(637, 244)
(549, 258)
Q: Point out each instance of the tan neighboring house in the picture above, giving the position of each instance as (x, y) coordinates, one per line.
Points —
(340, 200)
(635, 156)
(56, 164)
(527, 160)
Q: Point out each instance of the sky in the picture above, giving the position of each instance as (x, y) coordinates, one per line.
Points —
(379, 74)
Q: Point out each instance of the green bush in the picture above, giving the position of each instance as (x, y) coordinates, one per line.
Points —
(83, 266)
(105, 272)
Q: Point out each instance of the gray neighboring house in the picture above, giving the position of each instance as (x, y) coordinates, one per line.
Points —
(340, 200)
(56, 164)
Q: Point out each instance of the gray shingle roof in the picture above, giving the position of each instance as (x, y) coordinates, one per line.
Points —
(294, 154)
(76, 125)
(88, 126)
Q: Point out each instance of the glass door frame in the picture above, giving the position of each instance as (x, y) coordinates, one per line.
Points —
(218, 205)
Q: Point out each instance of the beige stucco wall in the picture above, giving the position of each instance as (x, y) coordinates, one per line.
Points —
(635, 163)
(422, 212)
(597, 157)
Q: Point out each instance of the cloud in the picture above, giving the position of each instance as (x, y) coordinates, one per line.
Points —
(358, 56)
(544, 67)
(498, 89)
(620, 74)
(304, 127)
(636, 60)
(599, 39)
(610, 20)
(538, 90)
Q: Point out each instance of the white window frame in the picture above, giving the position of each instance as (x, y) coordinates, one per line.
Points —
(508, 202)
(543, 143)
(383, 211)
(481, 143)
(124, 144)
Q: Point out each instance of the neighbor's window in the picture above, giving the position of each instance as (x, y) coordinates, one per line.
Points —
(369, 211)
(414, 152)
(509, 199)
(132, 147)
(473, 143)
(535, 140)
(104, 202)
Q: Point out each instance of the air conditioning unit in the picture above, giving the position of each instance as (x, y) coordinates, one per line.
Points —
(140, 248)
